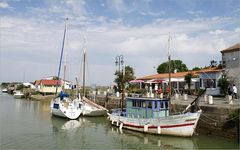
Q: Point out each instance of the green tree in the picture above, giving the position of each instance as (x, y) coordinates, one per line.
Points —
(196, 68)
(224, 83)
(121, 80)
(175, 64)
(188, 79)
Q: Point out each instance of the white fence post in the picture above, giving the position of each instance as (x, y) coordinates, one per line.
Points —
(210, 99)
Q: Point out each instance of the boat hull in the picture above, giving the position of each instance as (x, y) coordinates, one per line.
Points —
(91, 109)
(18, 96)
(4, 90)
(176, 125)
(70, 110)
(95, 113)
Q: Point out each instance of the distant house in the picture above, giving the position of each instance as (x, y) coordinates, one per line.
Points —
(49, 86)
(28, 84)
(231, 63)
(67, 85)
(37, 85)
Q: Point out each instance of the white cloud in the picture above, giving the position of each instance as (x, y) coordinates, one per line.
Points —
(37, 42)
(195, 13)
(237, 30)
(4, 5)
(217, 32)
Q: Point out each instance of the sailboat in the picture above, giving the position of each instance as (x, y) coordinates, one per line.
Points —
(90, 108)
(63, 105)
(152, 115)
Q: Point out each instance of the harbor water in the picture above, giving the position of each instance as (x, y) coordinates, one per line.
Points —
(28, 124)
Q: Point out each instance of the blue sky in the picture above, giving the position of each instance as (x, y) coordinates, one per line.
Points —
(31, 35)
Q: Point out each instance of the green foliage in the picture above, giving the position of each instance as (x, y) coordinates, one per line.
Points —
(56, 78)
(20, 87)
(141, 91)
(4, 85)
(196, 68)
(120, 79)
(175, 64)
(188, 79)
(224, 83)
(36, 93)
(232, 120)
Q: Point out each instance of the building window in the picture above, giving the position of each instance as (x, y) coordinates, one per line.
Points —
(209, 83)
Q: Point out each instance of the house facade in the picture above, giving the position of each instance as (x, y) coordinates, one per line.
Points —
(205, 78)
(48, 86)
(231, 64)
(177, 80)
(208, 78)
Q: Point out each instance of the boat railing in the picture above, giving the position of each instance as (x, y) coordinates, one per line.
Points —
(119, 112)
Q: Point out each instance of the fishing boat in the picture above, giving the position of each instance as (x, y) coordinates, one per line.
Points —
(63, 105)
(90, 108)
(18, 94)
(152, 115)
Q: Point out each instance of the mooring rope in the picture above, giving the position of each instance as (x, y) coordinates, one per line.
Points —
(219, 121)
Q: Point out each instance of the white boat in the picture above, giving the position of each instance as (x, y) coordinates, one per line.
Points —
(4, 90)
(64, 106)
(151, 115)
(92, 109)
(18, 94)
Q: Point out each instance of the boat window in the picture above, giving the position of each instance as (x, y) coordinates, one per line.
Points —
(161, 103)
(155, 105)
(133, 103)
(150, 104)
(166, 105)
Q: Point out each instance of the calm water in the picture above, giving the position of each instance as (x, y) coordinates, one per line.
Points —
(28, 125)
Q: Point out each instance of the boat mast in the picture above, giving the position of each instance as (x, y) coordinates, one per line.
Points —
(64, 69)
(60, 61)
(84, 65)
(169, 69)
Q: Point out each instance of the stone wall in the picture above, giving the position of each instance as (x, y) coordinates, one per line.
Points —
(215, 121)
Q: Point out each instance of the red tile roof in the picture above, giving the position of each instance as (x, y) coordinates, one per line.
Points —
(235, 47)
(180, 74)
(50, 82)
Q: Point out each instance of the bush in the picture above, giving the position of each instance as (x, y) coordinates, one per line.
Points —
(224, 83)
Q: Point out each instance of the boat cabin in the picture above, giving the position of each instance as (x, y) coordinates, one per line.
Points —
(147, 107)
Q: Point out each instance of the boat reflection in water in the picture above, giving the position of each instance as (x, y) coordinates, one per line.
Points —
(163, 142)
(64, 124)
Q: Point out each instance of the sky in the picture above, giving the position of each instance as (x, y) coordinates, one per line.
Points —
(31, 34)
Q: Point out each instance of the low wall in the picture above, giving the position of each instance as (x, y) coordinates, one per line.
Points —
(223, 122)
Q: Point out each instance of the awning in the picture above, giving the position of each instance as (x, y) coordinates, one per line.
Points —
(155, 81)
(136, 81)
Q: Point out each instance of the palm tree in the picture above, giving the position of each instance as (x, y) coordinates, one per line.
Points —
(188, 79)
